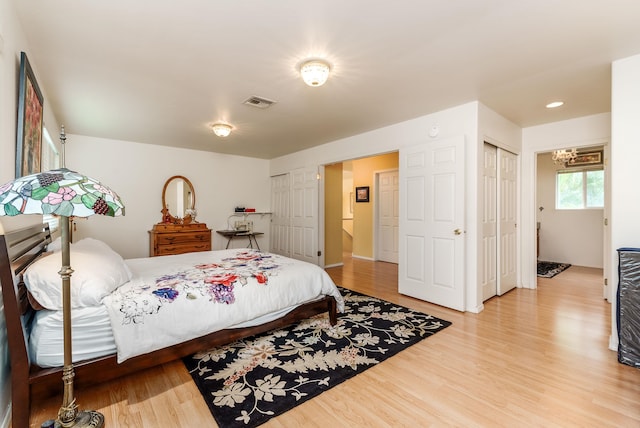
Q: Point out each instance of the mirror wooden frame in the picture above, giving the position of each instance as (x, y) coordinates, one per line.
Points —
(167, 217)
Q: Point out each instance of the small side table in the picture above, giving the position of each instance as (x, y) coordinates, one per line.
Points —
(232, 234)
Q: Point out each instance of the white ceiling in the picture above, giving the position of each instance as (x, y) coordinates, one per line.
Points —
(161, 71)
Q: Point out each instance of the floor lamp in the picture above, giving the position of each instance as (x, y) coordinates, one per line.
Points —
(66, 194)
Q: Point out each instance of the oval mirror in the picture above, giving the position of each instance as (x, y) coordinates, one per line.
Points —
(178, 199)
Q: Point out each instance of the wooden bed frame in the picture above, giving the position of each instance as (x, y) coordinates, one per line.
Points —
(30, 382)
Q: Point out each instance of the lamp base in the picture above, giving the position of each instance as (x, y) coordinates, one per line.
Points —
(85, 419)
(89, 419)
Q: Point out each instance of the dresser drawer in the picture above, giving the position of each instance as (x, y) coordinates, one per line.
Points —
(167, 239)
(163, 250)
(183, 237)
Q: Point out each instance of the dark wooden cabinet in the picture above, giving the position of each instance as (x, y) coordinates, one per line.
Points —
(165, 239)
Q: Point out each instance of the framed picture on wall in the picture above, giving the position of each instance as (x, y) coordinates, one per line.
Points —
(362, 194)
(30, 118)
(587, 158)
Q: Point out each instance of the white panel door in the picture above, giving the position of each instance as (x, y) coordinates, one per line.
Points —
(508, 179)
(388, 218)
(489, 221)
(432, 239)
(304, 215)
(281, 216)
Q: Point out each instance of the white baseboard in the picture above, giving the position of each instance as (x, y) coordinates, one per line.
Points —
(477, 309)
(334, 265)
(613, 343)
(355, 256)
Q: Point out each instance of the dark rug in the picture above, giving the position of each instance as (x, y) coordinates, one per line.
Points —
(551, 269)
(252, 380)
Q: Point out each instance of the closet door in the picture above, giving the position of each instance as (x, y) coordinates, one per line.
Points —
(304, 215)
(281, 215)
(489, 219)
(508, 179)
(499, 215)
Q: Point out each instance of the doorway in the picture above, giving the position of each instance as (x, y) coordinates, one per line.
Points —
(354, 225)
(575, 235)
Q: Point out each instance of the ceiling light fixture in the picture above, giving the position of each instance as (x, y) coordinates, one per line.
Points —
(315, 72)
(564, 157)
(555, 104)
(221, 129)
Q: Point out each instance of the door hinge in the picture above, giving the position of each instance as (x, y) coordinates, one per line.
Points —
(319, 253)
(606, 281)
(606, 222)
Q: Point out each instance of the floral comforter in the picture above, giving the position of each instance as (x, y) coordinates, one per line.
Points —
(172, 299)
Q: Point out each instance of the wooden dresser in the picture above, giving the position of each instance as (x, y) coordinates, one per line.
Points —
(167, 238)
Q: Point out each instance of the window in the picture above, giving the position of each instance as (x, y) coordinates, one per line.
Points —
(50, 156)
(50, 160)
(577, 190)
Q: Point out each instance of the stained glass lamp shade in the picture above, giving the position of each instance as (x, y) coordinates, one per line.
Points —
(66, 194)
(59, 192)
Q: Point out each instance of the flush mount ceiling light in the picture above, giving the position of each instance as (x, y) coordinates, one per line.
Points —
(555, 104)
(221, 129)
(315, 72)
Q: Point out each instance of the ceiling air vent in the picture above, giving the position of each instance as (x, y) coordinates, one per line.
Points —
(259, 102)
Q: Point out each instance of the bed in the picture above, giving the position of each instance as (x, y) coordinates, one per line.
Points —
(131, 315)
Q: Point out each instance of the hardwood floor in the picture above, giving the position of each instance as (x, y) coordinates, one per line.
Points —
(532, 358)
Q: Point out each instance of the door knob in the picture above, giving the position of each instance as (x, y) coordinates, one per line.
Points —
(458, 231)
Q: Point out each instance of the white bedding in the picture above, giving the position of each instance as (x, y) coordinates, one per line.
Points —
(91, 334)
(172, 299)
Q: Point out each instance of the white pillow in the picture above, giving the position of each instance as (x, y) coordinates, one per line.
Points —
(55, 245)
(97, 271)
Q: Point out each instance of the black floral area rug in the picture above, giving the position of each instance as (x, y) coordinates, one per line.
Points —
(551, 269)
(252, 380)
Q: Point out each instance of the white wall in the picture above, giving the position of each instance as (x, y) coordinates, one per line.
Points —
(455, 121)
(625, 152)
(497, 130)
(137, 172)
(594, 130)
(11, 44)
(566, 236)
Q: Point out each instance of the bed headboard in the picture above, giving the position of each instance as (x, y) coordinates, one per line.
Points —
(18, 249)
